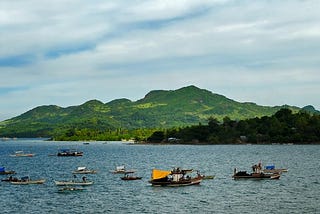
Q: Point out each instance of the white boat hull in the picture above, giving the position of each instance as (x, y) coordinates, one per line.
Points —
(40, 181)
(72, 183)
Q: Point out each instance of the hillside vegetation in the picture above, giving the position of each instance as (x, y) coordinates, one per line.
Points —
(159, 109)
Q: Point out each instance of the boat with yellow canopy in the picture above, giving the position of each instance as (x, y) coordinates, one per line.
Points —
(174, 178)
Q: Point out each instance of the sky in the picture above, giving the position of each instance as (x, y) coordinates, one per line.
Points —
(67, 52)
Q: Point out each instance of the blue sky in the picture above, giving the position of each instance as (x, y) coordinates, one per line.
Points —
(68, 52)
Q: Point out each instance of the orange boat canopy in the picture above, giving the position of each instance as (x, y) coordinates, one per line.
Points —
(157, 174)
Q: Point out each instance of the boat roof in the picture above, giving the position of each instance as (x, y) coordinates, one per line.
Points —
(120, 168)
(82, 168)
(270, 167)
(181, 171)
(158, 174)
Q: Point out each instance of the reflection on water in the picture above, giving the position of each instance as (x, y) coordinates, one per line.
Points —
(296, 192)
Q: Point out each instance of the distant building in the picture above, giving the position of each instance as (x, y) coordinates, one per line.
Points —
(173, 140)
(243, 138)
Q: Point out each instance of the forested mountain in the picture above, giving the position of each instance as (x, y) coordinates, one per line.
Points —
(158, 109)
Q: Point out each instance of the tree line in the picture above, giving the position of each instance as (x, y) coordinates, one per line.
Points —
(282, 127)
(94, 134)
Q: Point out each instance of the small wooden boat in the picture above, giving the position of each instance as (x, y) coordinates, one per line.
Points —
(122, 170)
(128, 177)
(84, 170)
(254, 175)
(4, 172)
(175, 178)
(69, 152)
(26, 180)
(22, 154)
(73, 183)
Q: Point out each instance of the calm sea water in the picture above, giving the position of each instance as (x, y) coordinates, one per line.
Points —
(297, 191)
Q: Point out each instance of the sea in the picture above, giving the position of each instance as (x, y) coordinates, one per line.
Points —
(297, 191)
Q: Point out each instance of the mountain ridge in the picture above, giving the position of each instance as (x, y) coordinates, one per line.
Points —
(186, 106)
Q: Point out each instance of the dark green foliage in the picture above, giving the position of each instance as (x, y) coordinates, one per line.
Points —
(156, 137)
(282, 127)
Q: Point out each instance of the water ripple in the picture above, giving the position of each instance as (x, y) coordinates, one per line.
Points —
(295, 192)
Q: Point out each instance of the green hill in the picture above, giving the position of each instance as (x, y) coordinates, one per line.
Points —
(158, 109)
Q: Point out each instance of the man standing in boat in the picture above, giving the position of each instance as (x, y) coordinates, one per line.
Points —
(259, 167)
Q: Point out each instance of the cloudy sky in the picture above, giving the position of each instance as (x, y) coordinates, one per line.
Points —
(66, 52)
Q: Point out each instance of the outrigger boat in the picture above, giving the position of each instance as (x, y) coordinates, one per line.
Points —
(261, 175)
(84, 182)
(69, 152)
(122, 170)
(4, 172)
(84, 170)
(22, 154)
(73, 183)
(256, 174)
(26, 180)
(175, 178)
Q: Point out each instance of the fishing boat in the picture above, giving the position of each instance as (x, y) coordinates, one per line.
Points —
(21, 154)
(84, 170)
(122, 170)
(128, 177)
(272, 169)
(73, 183)
(176, 177)
(254, 175)
(69, 152)
(26, 180)
(4, 172)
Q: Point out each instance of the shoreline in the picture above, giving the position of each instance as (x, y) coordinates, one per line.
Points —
(153, 143)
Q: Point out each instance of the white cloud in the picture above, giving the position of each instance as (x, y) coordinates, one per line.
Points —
(66, 52)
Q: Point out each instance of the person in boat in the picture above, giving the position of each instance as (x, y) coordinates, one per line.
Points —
(254, 168)
(176, 170)
(84, 179)
(259, 167)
